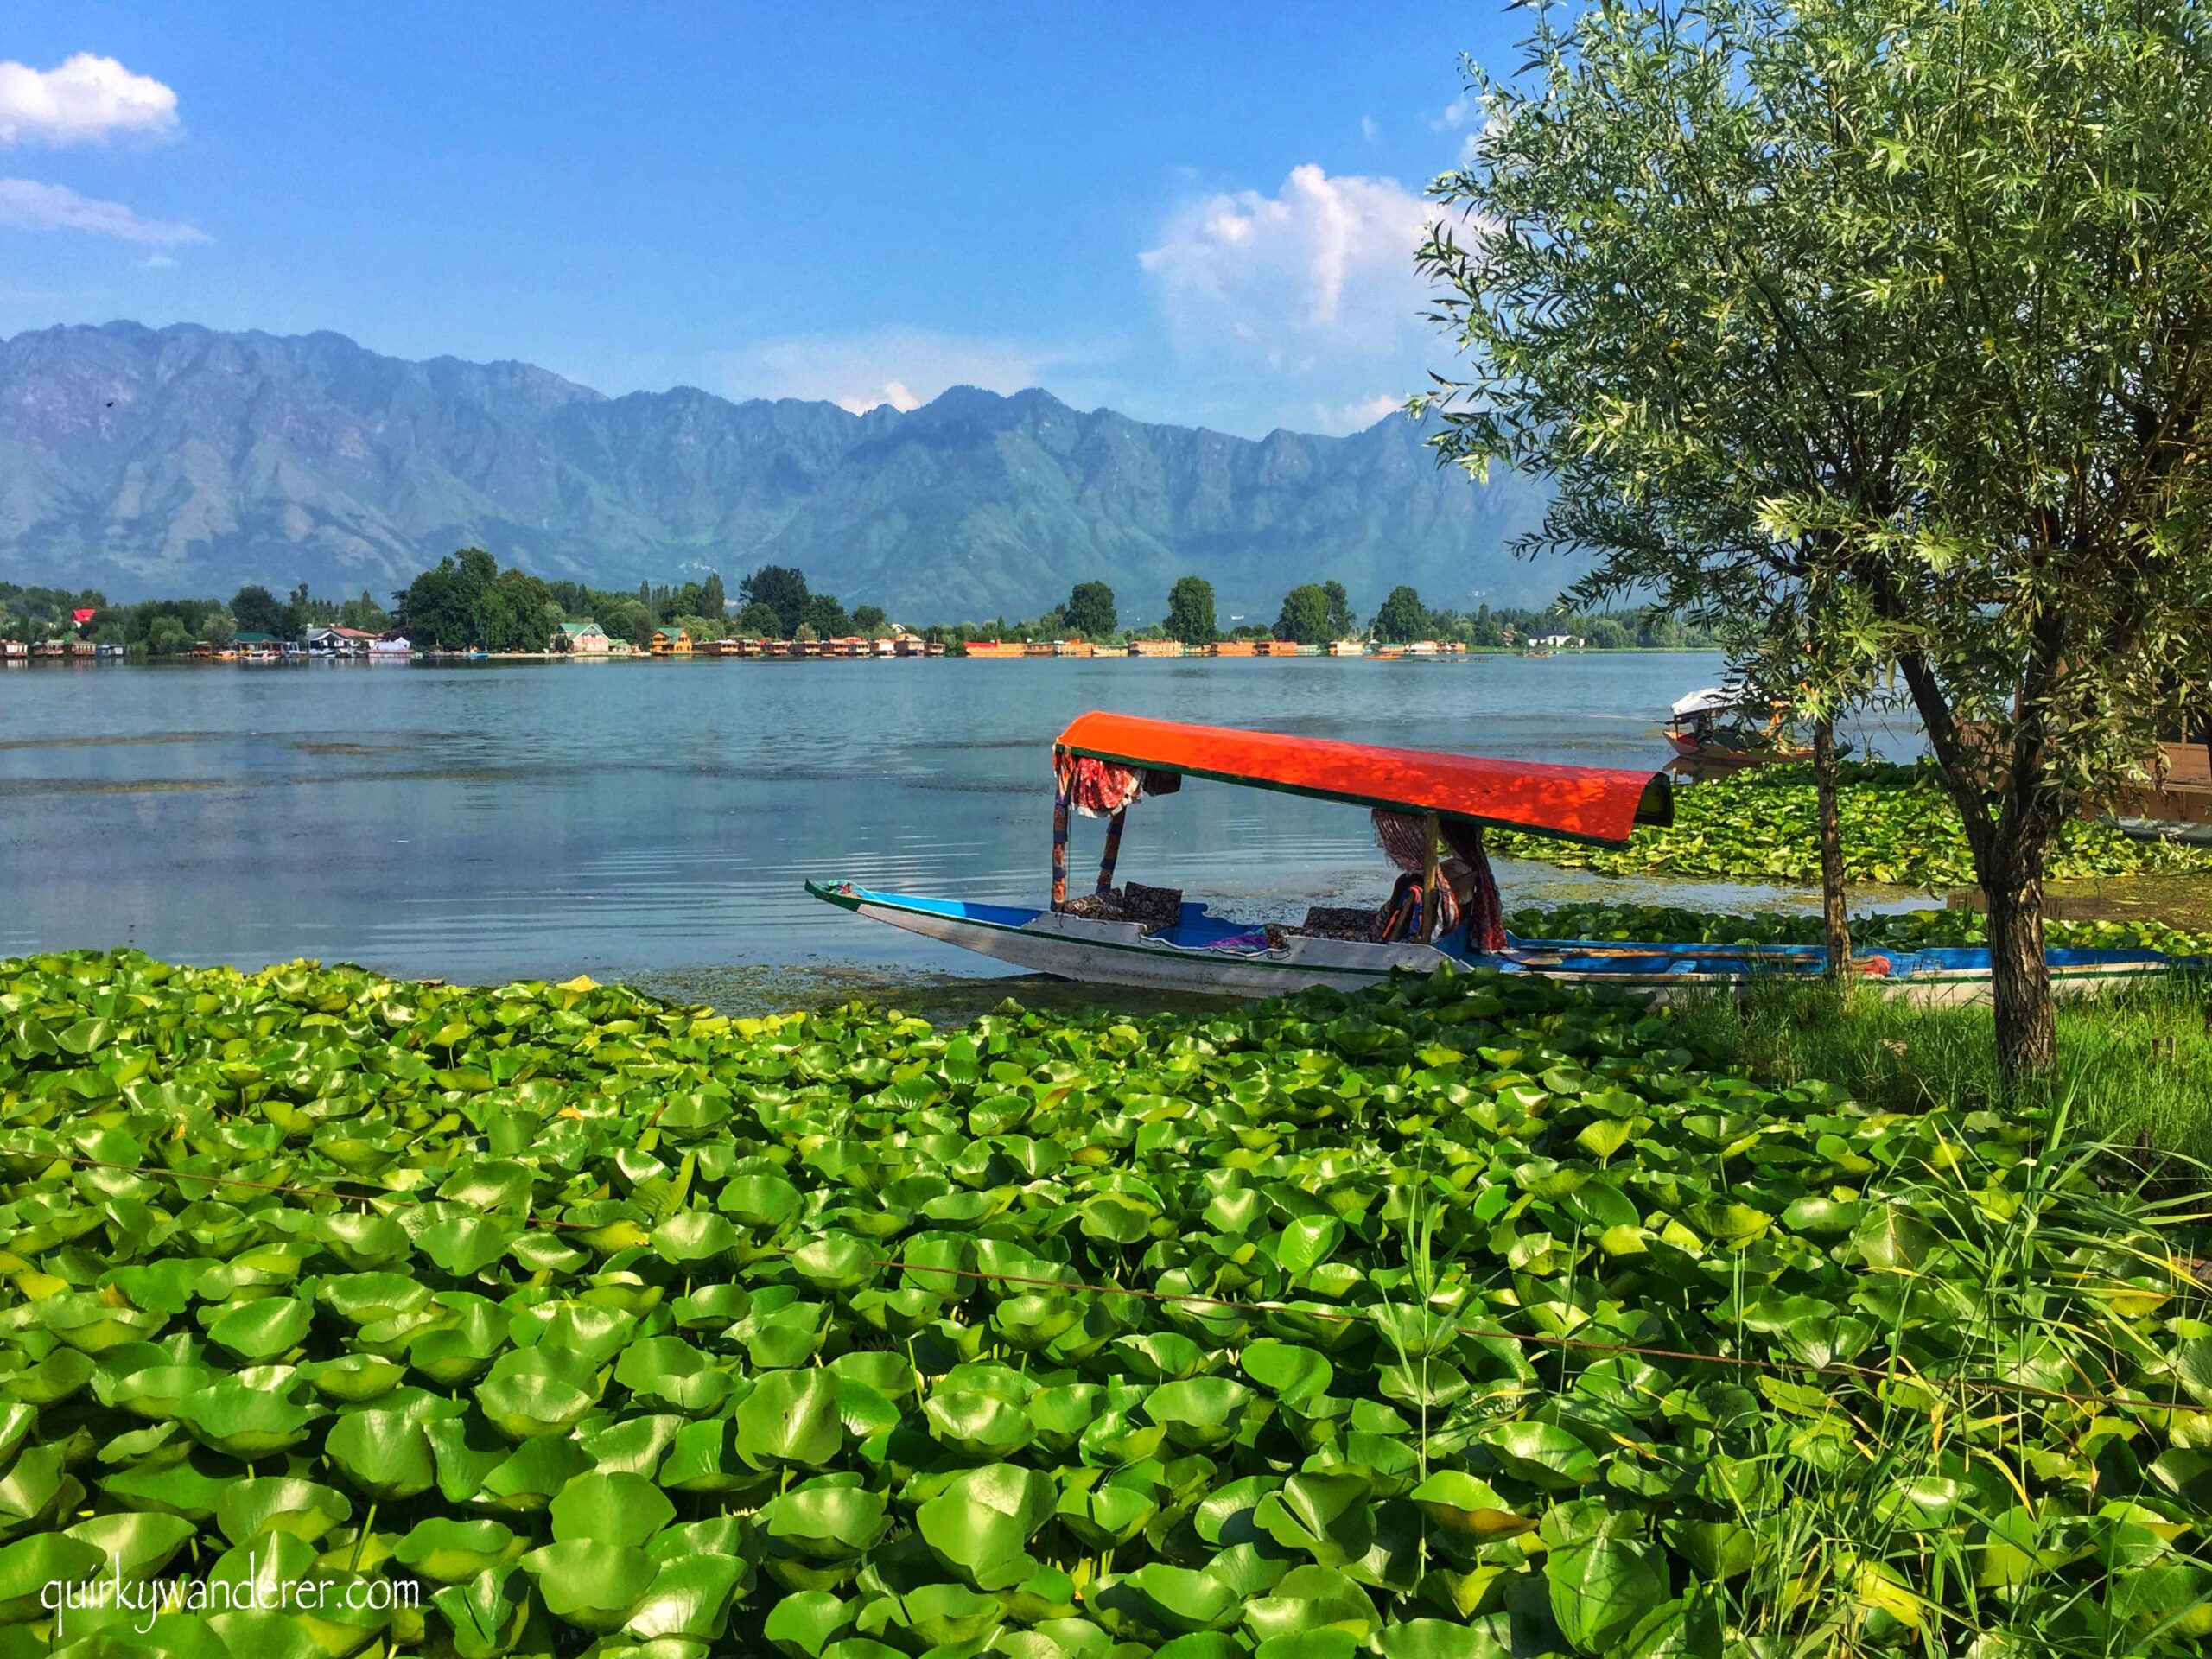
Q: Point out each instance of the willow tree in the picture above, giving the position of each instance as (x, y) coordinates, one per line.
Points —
(1881, 328)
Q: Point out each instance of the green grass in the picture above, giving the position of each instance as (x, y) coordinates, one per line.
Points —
(2134, 1067)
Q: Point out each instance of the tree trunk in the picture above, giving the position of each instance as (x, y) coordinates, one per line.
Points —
(2010, 847)
(2020, 976)
(1835, 922)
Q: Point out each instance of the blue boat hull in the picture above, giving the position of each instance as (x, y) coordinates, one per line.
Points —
(1212, 954)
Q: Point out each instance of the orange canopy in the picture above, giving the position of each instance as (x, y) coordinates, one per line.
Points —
(1597, 804)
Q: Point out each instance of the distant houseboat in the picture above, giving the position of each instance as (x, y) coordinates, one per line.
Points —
(1155, 647)
(666, 644)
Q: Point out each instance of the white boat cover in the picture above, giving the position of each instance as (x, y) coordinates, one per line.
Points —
(1712, 697)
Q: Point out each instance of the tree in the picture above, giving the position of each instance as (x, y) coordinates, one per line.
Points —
(437, 610)
(826, 617)
(624, 617)
(364, 613)
(870, 621)
(783, 590)
(713, 601)
(1305, 616)
(1340, 616)
(1954, 260)
(256, 610)
(1089, 610)
(1685, 331)
(167, 637)
(759, 621)
(1190, 610)
(1401, 617)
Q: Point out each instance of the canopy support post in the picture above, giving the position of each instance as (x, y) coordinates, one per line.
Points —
(1060, 844)
(1428, 907)
(1113, 850)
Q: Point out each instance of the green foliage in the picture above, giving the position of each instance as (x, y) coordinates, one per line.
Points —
(466, 602)
(640, 1323)
(365, 613)
(1340, 617)
(783, 590)
(1190, 610)
(823, 614)
(256, 610)
(1900, 829)
(1305, 618)
(759, 620)
(42, 612)
(1090, 611)
(1402, 617)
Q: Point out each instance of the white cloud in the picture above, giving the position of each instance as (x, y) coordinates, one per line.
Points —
(903, 367)
(27, 205)
(158, 261)
(1368, 130)
(1365, 412)
(1303, 306)
(1455, 114)
(84, 100)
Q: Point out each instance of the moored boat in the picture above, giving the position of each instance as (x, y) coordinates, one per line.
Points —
(1713, 731)
(1429, 809)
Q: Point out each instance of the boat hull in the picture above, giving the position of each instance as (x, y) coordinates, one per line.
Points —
(1118, 953)
(1217, 965)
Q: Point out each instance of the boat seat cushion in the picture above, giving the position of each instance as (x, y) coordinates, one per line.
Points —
(1339, 922)
(1151, 908)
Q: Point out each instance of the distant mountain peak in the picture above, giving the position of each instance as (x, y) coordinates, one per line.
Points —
(184, 460)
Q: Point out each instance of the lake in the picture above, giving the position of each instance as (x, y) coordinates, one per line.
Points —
(656, 821)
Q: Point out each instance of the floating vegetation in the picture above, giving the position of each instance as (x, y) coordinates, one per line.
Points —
(1892, 930)
(1900, 829)
(1468, 1318)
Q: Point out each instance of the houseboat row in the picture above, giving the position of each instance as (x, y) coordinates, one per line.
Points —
(24, 651)
(1006, 650)
(588, 641)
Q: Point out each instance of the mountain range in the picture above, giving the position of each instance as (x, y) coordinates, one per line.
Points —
(184, 461)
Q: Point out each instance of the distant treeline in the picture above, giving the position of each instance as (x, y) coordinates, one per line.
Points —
(170, 627)
(1316, 613)
(466, 602)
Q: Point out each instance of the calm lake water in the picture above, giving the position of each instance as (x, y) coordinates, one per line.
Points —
(656, 821)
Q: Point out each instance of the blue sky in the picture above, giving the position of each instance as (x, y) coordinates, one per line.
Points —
(1196, 213)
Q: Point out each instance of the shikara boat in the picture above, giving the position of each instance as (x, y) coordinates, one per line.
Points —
(1429, 809)
(1713, 732)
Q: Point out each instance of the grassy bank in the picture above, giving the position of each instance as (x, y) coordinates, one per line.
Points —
(1470, 1318)
(2134, 1066)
